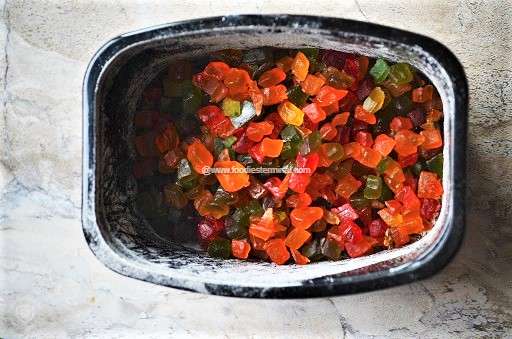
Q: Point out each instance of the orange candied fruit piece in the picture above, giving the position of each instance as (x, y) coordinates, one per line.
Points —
(285, 63)
(422, 94)
(340, 119)
(429, 186)
(328, 131)
(272, 77)
(329, 95)
(257, 130)
(314, 112)
(299, 200)
(235, 177)
(399, 123)
(304, 217)
(218, 69)
(368, 157)
(277, 251)
(384, 144)
(199, 156)
(347, 186)
(290, 113)
(240, 248)
(271, 147)
(274, 95)
(433, 138)
(352, 150)
(298, 257)
(238, 83)
(391, 219)
(407, 142)
(297, 237)
(300, 66)
(363, 115)
(312, 84)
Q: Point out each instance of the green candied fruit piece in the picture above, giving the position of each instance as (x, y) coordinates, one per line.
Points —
(400, 73)
(418, 167)
(387, 194)
(435, 164)
(330, 249)
(289, 132)
(222, 197)
(297, 97)
(192, 100)
(220, 248)
(383, 165)
(373, 188)
(236, 229)
(312, 250)
(187, 178)
(290, 150)
(229, 141)
(218, 146)
(311, 143)
(380, 71)
(231, 108)
(358, 201)
(254, 208)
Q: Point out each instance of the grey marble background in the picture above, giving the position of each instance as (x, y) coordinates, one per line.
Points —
(52, 286)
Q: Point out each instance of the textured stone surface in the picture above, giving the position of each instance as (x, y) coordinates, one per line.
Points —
(52, 286)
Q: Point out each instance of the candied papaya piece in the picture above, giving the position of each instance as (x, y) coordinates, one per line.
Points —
(399, 123)
(298, 257)
(285, 63)
(368, 157)
(347, 186)
(359, 248)
(407, 142)
(314, 112)
(432, 137)
(274, 95)
(297, 237)
(240, 248)
(257, 130)
(329, 95)
(299, 182)
(429, 186)
(300, 66)
(199, 156)
(238, 83)
(363, 115)
(422, 94)
(299, 200)
(231, 175)
(290, 113)
(391, 219)
(384, 144)
(304, 217)
(340, 119)
(272, 77)
(277, 251)
(271, 148)
(364, 138)
(312, 84)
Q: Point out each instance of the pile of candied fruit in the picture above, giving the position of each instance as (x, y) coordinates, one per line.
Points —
(301, 155)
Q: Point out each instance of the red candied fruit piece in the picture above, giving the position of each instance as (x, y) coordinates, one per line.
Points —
(208, 229)
(377, 228)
